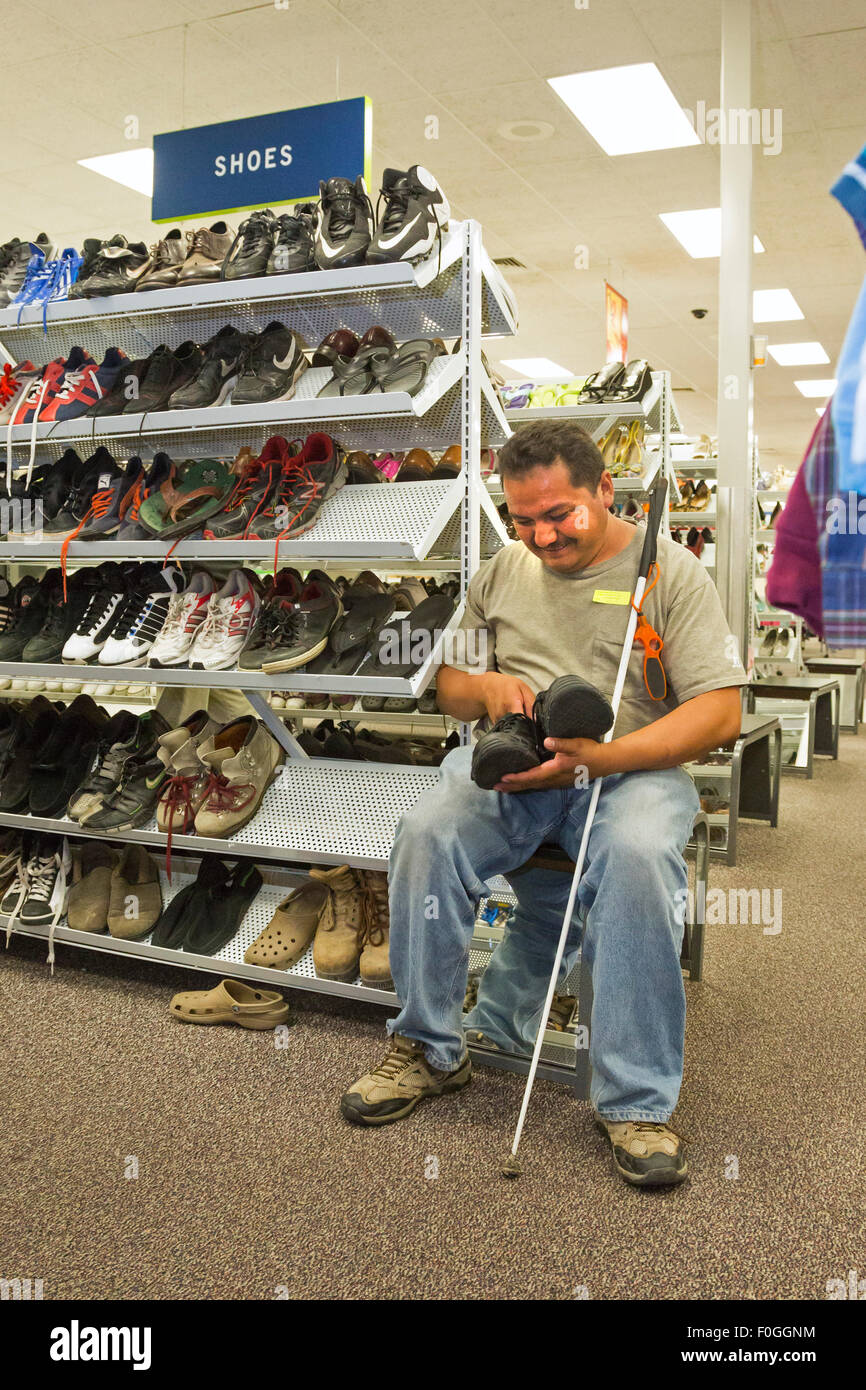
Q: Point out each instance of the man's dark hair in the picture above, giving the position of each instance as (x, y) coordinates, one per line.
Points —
(539, 445)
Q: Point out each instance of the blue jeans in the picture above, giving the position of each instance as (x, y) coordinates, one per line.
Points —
(630, 914)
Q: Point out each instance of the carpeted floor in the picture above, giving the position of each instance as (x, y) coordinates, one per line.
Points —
(249, 1184)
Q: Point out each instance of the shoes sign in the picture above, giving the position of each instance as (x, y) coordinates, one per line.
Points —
(259, 161)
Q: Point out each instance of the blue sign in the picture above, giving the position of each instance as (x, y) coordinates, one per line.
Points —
(260, 161)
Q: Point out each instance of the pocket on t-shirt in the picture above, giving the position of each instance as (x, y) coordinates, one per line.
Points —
(605, 664)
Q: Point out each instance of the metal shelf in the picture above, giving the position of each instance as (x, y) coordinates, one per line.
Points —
(369, 521)
(621, 486)
(384, 420)
(317, 811)
(437, 723)
(410, 301)
(598, 418)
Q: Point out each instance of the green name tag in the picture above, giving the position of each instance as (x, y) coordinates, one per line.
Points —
(615, 596)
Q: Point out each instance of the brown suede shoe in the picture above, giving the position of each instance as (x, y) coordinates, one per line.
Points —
(87, 904)
(646, 1154)
(393, 1089)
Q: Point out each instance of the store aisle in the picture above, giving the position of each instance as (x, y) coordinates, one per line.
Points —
(249, 1183)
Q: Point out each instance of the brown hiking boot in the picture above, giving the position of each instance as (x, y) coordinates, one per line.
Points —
(242, 758)
(646, 1153)
(393, 1089)
(353, 927)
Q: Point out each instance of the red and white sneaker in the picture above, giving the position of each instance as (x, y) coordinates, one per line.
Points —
(231, 614)
(40, 390)
(84, 383)
(187, 613)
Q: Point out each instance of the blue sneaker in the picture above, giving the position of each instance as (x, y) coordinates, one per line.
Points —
(19, 256)
(46, 280)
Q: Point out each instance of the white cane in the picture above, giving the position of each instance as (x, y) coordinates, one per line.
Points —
(512, 1167)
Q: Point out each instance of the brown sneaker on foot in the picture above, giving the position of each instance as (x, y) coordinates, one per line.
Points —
(393, 1089)
(645, 1153)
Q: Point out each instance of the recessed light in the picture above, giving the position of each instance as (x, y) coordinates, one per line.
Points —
(525, 130)
(699, 231)
(819, 409)
(538, 368)
(628, 109)
(797, 354)
(775, 306)
(821, 386)
(132, 168)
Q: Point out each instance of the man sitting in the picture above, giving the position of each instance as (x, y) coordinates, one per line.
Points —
(557, 603)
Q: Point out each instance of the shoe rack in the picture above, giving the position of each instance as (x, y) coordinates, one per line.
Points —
(701, 470)
(316, 811)
(657, 412)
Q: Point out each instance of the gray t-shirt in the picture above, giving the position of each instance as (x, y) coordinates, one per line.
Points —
(537, 625)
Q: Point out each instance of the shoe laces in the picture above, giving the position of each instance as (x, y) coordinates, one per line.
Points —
(250, 474)
(217, 625)
(10, 385)
(179, 608)
(374, 920)
(396, 202)
(131, 612)
(97, 610)
(42, 875)
(198, 241)
(177, 796)
(398, 1060)
(100, 504)
(251, 231)
(342, 207)
(513, 723)
(222, 795)
(109, 760)
(159, 254)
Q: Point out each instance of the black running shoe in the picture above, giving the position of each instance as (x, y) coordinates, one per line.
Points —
(510, 746)
(17, 759)
(126, 388)
(83, 484)
(218, 372)
(30, 599)
(168, 371)
(63, 616)
(272, 364)
(571, 708)
(58, 486)
(295, 241)
(254, 490)
(250, 251)
(133, 802)
(90, 253)
(101, 775)
(345, 224)
(63, 760)
(414, 215)
(118, 269)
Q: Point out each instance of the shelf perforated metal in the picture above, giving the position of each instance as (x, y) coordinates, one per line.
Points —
(316, 811)
(598, 418)
(421, 301)
(385, 421)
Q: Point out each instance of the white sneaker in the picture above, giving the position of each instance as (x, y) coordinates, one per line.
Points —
(296, 702)
(71, 687)
(54, 685)
(96, 621)
(102, 692)
(231, 614)
(186, 614)
(140, 618)
(35, 684)
(47, 870)
(19, 683)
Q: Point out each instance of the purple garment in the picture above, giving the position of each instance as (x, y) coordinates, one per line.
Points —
(794, 576)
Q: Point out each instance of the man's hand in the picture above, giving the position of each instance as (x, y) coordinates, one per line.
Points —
(578, 761)
(506, 695)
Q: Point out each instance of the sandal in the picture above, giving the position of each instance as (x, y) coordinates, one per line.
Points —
(231, 1002)
(543, 396)
(195, 490)
(634, 383)
(570, 393)
(353, 376)
(609, 446)
(599, 385)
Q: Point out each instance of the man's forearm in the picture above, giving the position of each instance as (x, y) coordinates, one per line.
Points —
(460, 695)
(686, 733)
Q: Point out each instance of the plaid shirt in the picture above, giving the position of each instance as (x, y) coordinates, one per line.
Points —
(841, 546)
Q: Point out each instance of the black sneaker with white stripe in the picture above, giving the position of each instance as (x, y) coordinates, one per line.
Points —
(100, 615)
(141, 616)
(345, 226)
(414, 214)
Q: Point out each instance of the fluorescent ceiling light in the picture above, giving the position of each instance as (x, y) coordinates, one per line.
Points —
(775, 306)
(797, 354)
(821, 386)
(132, 168)
(819, 409)
(627, 109)
(538, 368)
(699, 231)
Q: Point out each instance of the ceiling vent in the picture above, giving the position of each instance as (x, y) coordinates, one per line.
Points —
(509, 262)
